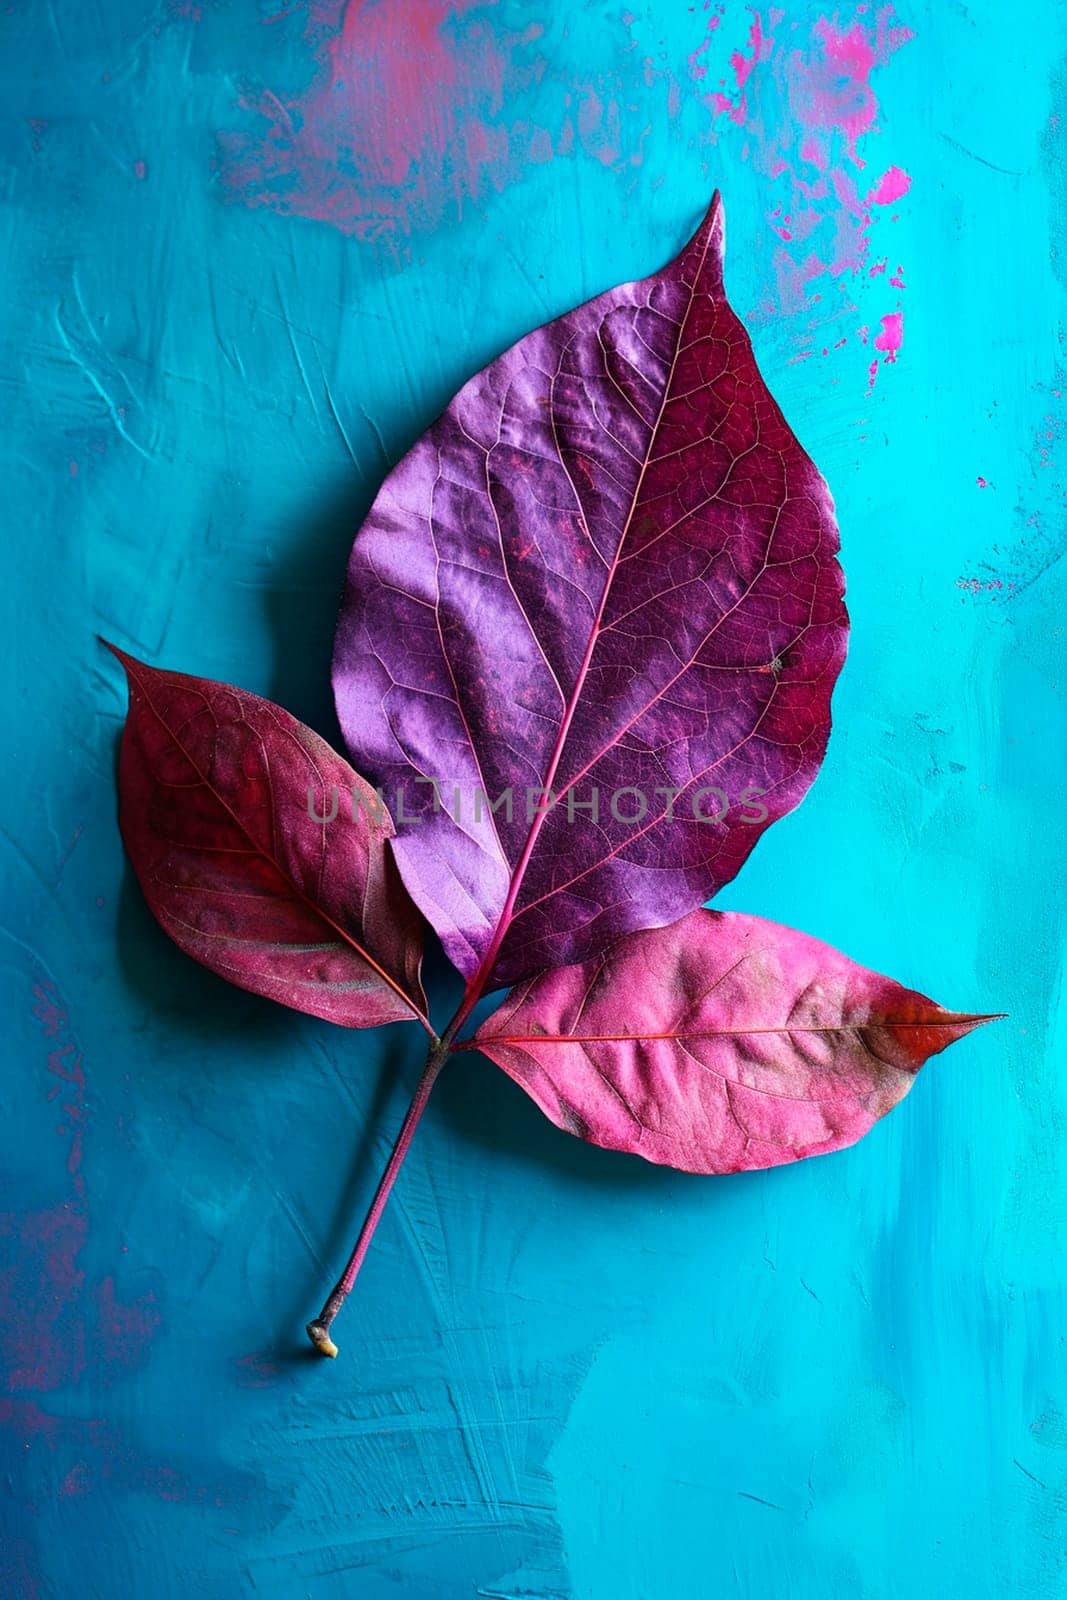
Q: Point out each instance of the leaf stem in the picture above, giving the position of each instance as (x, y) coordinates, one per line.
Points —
(319, 1330)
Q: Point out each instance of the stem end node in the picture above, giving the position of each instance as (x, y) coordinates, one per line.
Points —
(321, 1339)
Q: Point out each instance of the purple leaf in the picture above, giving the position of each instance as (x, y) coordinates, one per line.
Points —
(214, 788)
(720, 1044)
(609, 566)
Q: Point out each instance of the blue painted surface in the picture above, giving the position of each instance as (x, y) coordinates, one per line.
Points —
(564, 1374)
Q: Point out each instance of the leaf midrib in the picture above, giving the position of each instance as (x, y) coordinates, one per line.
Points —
(485, 966)
(954, 1019)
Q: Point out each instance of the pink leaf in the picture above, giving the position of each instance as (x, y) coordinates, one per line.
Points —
(214, 787)
(607, 572)
(720, 1044)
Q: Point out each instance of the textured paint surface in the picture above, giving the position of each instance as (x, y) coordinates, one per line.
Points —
(249, 252)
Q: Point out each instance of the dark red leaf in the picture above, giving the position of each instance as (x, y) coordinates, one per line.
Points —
(214, 787)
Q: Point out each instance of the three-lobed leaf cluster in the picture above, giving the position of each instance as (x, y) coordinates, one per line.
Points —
(586, 650)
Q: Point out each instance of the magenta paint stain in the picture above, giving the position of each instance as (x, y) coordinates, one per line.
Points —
(407, 116)
(64, 1335)
(257, 1370)
(123, 1329)
(410, 114)
(78, 1481)
(54, 1326)
(42, 1345)
(696, 61)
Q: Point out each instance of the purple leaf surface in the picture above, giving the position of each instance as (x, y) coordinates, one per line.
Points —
(720, 1044)
(214, 809)
(609, 566)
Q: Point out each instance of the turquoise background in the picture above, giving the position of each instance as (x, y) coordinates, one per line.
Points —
(237, 283)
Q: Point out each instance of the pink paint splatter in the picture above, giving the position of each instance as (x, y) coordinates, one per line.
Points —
(892, 185)
(983, 483)
(804, 99)
(697, 66)
(889, 339)
(892, 335)
(140, 171)
(982, 585)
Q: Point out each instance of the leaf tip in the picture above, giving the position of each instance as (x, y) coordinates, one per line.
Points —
(947, 1029)
(703, 254)
(321, 1339)
(125, 660)
(712, 230)
(971, 1020)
